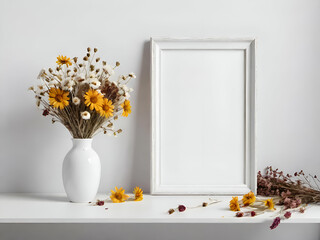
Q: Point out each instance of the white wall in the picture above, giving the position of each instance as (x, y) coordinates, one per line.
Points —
(34, 32)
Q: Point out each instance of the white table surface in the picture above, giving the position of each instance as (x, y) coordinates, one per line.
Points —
(55, 208)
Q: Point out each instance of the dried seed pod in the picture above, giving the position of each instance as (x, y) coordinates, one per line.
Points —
(75, 59)
(204, 204)
(117, 64)
(80, 65)
(85, 58)
(119, 131)
(50, 70)
(75, 69)
(95, 50)
(97, 59)
(98, 70)
(171, 211)
(88, 54)
(88, 49)
(104, 63)
(91, 67)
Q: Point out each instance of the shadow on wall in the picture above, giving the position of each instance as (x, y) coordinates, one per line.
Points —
(158, 231)
(142, 144)
(26, 165)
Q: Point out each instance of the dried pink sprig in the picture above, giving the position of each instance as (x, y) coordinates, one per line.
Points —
(275, 223)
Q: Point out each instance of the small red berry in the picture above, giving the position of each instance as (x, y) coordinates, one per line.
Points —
(253, 213)
(287, 215)
(239, 214)
(181, 208)
(45, 112)
(100, 203)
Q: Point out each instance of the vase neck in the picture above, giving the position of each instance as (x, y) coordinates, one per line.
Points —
(82, 142)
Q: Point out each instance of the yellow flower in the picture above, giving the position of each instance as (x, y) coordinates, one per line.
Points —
(138, 194)
(118, 195)
(93, 99)
(126, 108)
(248, 198)
(107, 108)
(63, 60)
(58, 98)
(234, 204)
(269, 204)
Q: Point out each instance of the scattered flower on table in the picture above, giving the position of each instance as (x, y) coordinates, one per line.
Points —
(248, 198)
(118, 196)
(269, 204)
(138, 194)
(234, 204)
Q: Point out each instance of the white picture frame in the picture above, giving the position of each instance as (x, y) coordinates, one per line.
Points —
(203, 116)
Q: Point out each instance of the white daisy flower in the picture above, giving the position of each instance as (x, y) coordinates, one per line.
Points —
(68, 84)
(109, 69)
(76, 100)
(94, 83)
(41, 73)
(85, 115)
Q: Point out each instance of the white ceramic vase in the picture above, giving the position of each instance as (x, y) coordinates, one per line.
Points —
(81, 171)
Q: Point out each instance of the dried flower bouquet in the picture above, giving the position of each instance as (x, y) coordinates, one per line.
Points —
(293, 190)
(81, 96)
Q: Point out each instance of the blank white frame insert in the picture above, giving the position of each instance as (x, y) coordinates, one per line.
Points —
(203, 116)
